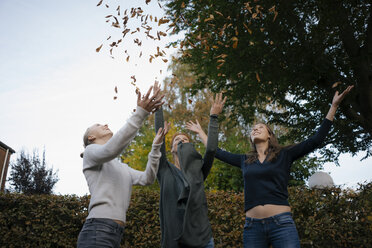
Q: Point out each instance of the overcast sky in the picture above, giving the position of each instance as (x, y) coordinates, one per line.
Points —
(53, 84)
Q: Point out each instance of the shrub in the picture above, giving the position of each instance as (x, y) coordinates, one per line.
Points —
(324, 218)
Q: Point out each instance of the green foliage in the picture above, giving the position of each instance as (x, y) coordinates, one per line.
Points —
(324, 218)
(283, 59)
(30, 175)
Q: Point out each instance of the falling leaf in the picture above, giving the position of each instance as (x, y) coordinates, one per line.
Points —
(161, 71)
(165, 60)
(162, 21)
(115, 97)
(140, 54)
(99, 48)
(108, 37)
(258, 77)
(211, 17)
(147, 1)
(235, 42)
(160, 5)
(134, 78)
(275, 15)
(108, 16)
(107, 6)
(127, 59)
(271, 42)
(254, 15)
(219, 13)
(134, 110)
(100, 2)
(190, 101)
(183, 5)
(116, 89)
(335, 84)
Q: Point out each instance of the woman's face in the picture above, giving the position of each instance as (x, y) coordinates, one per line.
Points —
(99, 131)
(179, 138)
(259, 133)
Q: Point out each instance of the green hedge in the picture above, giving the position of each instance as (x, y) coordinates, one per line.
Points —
(324, 218)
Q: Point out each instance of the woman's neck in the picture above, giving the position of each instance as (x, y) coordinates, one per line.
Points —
(176, 161)
(261, 149)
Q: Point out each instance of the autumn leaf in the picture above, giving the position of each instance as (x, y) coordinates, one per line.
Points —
(99, 48)
(165, 60)
(211, 17)
(235, 42)
(162, 21)
(335, 84)
(183, 5)
(100, 2)
(190, 101)
(109, 38)
(275, 15)
(147, 1)
(116, 89)
(127, 59)
(134, 78)
(258, 77)
(115, 97)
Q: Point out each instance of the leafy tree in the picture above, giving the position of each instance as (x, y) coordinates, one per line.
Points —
(30, 175)
(290, 55)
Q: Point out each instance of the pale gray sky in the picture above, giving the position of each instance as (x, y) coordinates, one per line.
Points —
(53, 84)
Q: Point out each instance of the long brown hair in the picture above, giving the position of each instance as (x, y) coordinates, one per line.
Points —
(272, 151)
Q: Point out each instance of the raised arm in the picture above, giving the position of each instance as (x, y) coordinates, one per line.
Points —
(148, 176)
(212, 140)
(299, 150)
(97, 154)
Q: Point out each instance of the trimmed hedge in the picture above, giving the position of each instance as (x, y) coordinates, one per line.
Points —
(324, 218)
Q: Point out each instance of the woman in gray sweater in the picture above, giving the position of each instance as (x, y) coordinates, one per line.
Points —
(110, 181)
(183, 205)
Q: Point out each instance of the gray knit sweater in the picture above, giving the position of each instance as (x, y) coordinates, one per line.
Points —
(110, 181)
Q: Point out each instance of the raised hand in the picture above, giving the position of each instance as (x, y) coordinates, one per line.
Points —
(194, 126)
(153, 103)
(337, 98)
(217, 104)
(159, 137)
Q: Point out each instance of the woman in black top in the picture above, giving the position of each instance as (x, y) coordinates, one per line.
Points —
(266, 171)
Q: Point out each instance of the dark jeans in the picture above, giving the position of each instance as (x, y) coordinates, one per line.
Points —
(100, 232)
(278, 230)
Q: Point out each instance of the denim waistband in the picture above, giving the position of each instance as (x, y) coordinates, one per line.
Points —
(269, 219)
(106, 221)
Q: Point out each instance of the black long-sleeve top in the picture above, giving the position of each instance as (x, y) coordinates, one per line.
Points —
(266, 182)
(183, 207)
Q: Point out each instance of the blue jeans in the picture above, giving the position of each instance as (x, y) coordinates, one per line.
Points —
(100, 232)
(210, 244)
(278, 231)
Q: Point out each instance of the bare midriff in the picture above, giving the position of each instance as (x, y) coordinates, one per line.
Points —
(265, 211)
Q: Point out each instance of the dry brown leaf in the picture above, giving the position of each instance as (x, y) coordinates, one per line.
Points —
(258, 77)
(115, 97)
(275, 15)
(147, 1)
(183, 5)
(99, 48)
(116, 89)
(189, 100)
(109, 38)
(100, 2)
(127, 59)
(165, 60)
(134, 78)
(335, 84)
(107, 6)
(162, 21)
